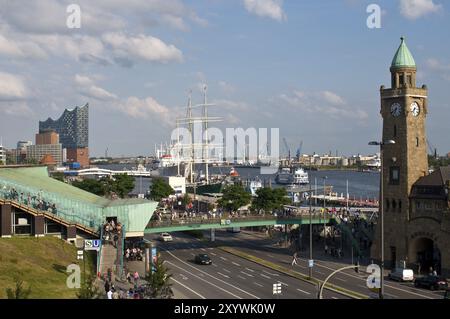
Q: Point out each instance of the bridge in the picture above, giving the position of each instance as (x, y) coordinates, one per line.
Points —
(245, 221)
(95, 171)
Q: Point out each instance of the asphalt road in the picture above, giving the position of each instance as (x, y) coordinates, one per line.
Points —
(229, 276)
(259, 245)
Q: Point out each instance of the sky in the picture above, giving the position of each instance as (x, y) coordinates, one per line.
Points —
(313, 69)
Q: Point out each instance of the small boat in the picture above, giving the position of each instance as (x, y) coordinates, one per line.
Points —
(301, 177)
(254, 186)
(284, 176)
(233, 172)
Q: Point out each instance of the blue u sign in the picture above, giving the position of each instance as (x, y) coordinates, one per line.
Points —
(96, 243)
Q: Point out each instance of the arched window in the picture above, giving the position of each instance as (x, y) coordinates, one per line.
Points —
(387, 205)
(399, 205)
(394, 205)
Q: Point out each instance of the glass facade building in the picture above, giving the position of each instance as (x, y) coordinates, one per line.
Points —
(72, 127)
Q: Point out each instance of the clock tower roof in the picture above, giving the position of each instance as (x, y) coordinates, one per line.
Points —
(403, 57)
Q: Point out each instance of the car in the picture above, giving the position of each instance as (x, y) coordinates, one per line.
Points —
(401, 274)
(203, 259)
(431, 282)
(165, 237)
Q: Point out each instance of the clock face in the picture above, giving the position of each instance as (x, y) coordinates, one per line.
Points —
(415, 109)
(396, 109)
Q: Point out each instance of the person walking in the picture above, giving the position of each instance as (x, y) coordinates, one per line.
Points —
(107, 286)
(294, 259)
(109, 294)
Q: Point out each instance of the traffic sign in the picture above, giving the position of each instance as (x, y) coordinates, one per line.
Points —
(92, 244)
(80, 254)
(310, 263)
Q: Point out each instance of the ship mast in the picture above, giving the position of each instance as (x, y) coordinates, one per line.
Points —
(205, 128)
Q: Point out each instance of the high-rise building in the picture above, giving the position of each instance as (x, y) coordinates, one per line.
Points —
(22, 145)
(47, 137)
(47, 150)
(2, 155)
(73, 130)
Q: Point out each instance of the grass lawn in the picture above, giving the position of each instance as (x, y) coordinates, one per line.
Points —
(41, 263)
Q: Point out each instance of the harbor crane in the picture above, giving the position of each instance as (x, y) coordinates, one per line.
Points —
(287, 148)
(299, 149)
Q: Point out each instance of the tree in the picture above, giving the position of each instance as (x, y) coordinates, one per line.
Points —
(19, 292)
(234, 197)
(270, 199)
(88, 290)
(91, 185)
(123, 184)
(160, 189)
(159, 285)
(58, 176)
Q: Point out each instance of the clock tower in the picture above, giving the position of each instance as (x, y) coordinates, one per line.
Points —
(403, 108)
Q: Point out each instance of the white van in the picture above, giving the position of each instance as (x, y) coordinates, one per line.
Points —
(402, 274)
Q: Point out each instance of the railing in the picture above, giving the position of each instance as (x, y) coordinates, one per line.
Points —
(99, 253)
(247, 218)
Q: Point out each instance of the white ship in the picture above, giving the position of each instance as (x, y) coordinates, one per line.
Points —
(254, 186)
(301, 177)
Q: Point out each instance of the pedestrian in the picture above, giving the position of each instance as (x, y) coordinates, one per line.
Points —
(136, 277)
(326, 249)
(109, 294)
(107, 286)
(294, 259)
(435, 273)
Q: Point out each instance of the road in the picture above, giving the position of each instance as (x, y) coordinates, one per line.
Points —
(259, 245)
(229, 276)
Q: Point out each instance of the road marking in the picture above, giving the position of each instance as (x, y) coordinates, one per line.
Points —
(223, 275)
(209, 282)
(271, 256)
(213, 254)
(319, 272)
(223, 258)
(265, 276)
(226, 270)
(258, 284)
(183, 277)
(272, 274)
(337, 278)
(249, 269)
(192, 254)
(305, 292)
(224, 282)
(236, 264)
(239, 276)
(283, 284)
(191, 290)
(243, 272)
(334, 298)
(214, 265)
(363, 286)
(203, 249)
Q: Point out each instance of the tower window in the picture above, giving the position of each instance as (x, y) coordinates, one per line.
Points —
(402, 80)
(399, 205)
(409, 79)
(395, 130)
(387, 205)
(417, 142)
(394, 176)
(394, 205)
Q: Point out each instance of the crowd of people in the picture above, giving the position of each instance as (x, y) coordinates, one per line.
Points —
(134, 253)
(135, 292)
(111, 232)
(35, 201)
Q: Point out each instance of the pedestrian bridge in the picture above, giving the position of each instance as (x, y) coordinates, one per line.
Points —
(243, 221)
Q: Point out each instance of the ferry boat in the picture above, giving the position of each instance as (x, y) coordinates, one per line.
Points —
(284, 177)
(301, 177)
(254, 186)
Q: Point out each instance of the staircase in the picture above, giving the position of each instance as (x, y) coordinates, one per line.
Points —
(108, 259)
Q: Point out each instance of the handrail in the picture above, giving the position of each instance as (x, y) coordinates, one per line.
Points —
(99, 253)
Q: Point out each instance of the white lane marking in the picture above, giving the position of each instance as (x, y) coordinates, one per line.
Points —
(271, 256)
(210, 248)
(337, 278)
(242, 277)
(319, 272)
(223, 258)
(362, 286)
(213, 254)
(258, 284)
(283, 284)
(265, 276)
(334, 298)
(223, 275)
(214, 265)
(183, 277)
(305, 292)
(226, 270)
(272, 274)
(191, 290)
(236, 264)
(201, 275)
(224, 282)
(209, 282)
(203, 249)
(243, 272)
(249, 269)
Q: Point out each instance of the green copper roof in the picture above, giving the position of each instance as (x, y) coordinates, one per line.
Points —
(403, 57)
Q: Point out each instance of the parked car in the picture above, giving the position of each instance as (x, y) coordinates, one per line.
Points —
(165, 237)
(203, 259)
(431, 282)
(401, 274)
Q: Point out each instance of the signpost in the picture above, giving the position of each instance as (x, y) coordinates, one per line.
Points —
(92, 244)
(80, 254)
(310, 263)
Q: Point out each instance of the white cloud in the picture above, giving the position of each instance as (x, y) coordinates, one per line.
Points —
(266, 8)
(324, 103)
(20, 49)
(11, 87)
(413, 9)
(439, 67)
(87, 88)
(232, 105)
(142, 47)
(226, 87)
(147, 108)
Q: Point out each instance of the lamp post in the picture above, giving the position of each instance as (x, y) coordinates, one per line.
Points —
(324, 220)
(310, 230)
(381, 145)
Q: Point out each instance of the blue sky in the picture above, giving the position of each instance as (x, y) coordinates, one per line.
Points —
(311, 68)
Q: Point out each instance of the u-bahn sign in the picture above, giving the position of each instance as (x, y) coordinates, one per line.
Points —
(225, 222)
(92, 244)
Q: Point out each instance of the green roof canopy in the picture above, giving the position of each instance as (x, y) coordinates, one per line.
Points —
(403, 57)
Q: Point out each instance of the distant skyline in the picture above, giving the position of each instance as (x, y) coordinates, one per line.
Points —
(311, 68)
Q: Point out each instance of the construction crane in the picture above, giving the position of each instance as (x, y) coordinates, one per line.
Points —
(299, 149)
(432, 149)
(287, 148)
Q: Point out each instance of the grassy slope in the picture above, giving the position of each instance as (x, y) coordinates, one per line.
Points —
(41, 263)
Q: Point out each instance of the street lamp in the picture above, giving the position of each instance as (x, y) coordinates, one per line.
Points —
(381, 144)
(310, 231)
(324, 220)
